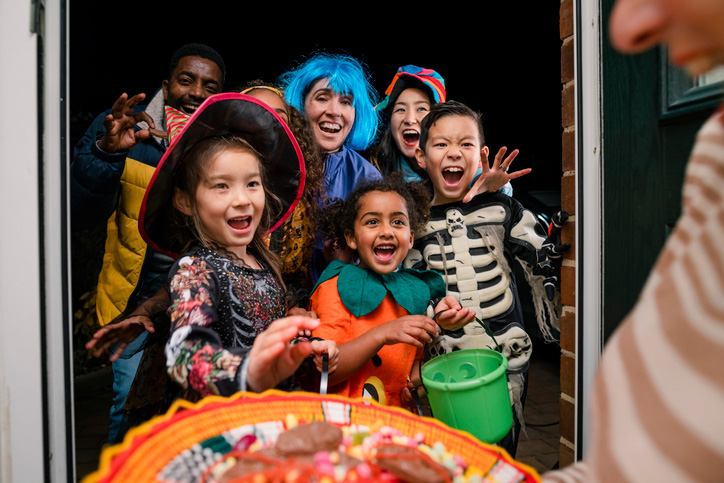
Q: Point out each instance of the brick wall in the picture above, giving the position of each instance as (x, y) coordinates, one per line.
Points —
(568, 203)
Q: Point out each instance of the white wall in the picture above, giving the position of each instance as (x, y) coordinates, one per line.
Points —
(30, 440)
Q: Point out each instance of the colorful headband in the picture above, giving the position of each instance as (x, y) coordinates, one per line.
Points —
(269, 88)
(412, 76)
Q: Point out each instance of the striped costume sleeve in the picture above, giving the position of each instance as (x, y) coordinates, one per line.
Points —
(658, 401)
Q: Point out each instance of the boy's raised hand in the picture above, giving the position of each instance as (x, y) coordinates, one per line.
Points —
(492, 179)
(409, 329)
(451, 316)
(120, 134)
(272, 358)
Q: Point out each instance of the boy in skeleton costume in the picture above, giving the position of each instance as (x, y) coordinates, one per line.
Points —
(472, 241)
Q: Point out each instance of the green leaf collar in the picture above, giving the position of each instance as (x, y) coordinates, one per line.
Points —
(362, 290)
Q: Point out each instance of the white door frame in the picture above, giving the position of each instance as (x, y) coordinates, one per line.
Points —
(589, 209)
(36, 440)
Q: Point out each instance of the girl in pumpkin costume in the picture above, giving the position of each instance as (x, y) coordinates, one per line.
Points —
(373, 310)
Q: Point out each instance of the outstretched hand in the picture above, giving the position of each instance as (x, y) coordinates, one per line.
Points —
(272, 357)
(120, 134)
(123, 333)
(495, 177)
(450, 315)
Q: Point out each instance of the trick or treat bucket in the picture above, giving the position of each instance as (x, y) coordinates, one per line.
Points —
(468, 390)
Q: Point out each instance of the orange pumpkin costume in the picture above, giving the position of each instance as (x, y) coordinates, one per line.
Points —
(364, 300)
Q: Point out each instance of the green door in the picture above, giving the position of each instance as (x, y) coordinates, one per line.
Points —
(651, 113)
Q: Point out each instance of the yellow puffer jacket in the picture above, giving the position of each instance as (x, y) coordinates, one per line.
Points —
(125, 250)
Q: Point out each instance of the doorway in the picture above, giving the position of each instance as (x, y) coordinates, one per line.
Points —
(507, 67)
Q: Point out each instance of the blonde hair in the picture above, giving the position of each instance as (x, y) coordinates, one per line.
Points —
(192, 171)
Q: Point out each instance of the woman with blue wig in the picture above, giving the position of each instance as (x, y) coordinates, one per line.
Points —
(335, 94)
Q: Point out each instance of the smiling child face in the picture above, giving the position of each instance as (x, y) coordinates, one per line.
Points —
(229, 201)
(382, 234)
(410, 108)
(451, 157)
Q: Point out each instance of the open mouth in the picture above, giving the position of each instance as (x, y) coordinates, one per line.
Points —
(411, 137)
(241, 223)
(384, 253)
(330, 128)
(452, 175)
(189, 108)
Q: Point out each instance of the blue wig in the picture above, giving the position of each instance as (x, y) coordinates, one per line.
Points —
(347, 77)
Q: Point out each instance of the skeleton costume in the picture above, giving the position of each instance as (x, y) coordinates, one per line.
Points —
(473, 245)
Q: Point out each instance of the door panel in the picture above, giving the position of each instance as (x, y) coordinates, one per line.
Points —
(651, 113)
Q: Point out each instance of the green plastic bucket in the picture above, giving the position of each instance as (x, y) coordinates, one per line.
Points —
(468, 390)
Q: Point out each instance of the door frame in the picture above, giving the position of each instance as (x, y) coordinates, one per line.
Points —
(589, 209)
(36, 411)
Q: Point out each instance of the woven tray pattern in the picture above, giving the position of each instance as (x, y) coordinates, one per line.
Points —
(149, 447)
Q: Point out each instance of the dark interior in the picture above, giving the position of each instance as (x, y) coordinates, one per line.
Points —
(497, 57)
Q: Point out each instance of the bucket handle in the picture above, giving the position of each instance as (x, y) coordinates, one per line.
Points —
(488, 331)
(485, 327)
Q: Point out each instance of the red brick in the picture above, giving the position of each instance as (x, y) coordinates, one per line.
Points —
(566, 19)
(568, 194)
(568, 106)
(568, 375)
(567, 412)
(565, 456)
(568, 145)
(567, 71)
(568, 235)
(568, 286)
(568, 331)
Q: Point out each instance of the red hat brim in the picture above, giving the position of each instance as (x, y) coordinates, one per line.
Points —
(224, 114)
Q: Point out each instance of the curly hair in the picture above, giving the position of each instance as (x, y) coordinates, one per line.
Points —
(294, 241)
(338, 216)
(313, 159)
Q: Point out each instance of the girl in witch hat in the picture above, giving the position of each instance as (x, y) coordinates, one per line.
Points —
(233, 174)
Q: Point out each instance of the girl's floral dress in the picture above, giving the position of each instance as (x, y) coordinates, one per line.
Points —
(217, 310)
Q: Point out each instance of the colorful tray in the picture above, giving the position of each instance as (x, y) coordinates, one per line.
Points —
(180, 445)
